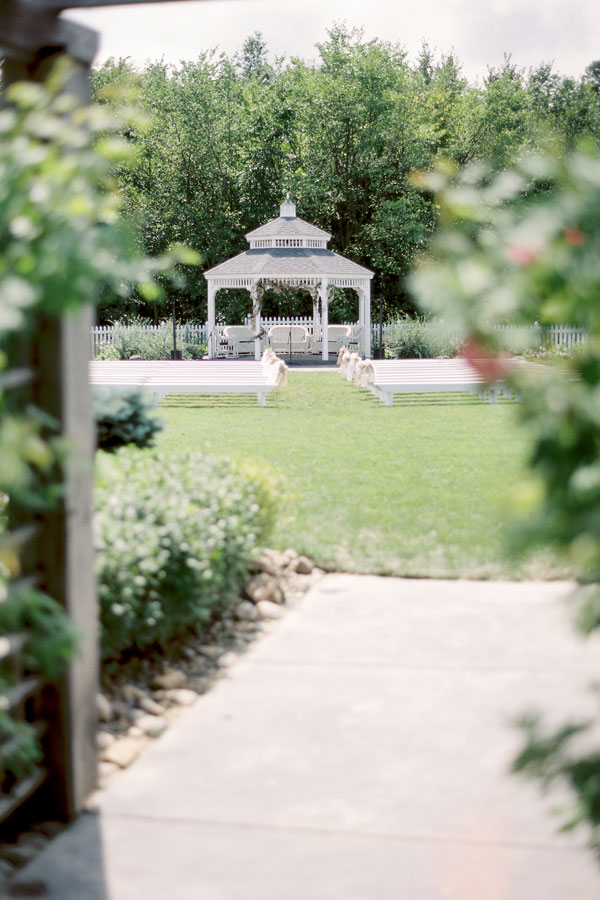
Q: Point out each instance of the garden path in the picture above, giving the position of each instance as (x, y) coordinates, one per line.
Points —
(360, 751)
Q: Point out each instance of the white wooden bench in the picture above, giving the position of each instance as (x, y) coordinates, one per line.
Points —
(409, 376)
(161, 377)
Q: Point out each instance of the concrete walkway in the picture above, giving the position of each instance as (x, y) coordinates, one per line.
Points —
(359, 752)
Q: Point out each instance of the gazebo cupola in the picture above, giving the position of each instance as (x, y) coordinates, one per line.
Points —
(289, 251)
(288, 231)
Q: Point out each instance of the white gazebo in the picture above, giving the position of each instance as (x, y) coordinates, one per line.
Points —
(290, 252)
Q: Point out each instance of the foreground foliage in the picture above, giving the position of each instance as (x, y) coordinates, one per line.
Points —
(520, 246)
(174, 540)
(62, 240)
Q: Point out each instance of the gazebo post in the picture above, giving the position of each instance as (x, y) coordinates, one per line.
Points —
(256, 320)
(315, 301)
(324, 321)
(211, 319)
(366, 291)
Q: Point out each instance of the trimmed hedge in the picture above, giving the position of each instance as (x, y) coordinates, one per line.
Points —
(174, 540)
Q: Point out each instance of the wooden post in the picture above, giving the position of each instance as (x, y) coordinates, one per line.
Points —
(67, 563)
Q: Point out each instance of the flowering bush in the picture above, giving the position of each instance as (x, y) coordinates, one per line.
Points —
(174, 540)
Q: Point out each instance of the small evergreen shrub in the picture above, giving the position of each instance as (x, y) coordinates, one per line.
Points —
(419, 339)
(122, 417)
(174, 540)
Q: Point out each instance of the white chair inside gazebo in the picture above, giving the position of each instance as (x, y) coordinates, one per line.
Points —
(240, 340)
(286, 338)
(337, 335)
(353, 339)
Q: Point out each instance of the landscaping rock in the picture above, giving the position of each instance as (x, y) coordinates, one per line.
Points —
(246, 611)
(132, 693)
(151, 706)
(228, 659)
(170, 679)
(270, 561)
(121, 710)
(291, 554)
(303, 565)
(269, 610)
(135, 731)
(106, 770)
(278, 595)
(261, 587)
(248, 627)
(123, 752)
(104, 707)
(199, 685)
(104, 739)
(211, 651)
(182, 697)
(152, 726)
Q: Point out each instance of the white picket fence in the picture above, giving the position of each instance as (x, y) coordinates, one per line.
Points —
(564, 336)
(556, 335)
(105, 334)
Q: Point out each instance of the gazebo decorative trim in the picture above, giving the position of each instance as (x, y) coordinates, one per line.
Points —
(289, 252)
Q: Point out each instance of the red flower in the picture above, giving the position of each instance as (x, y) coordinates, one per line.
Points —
(491, 366)
(574, 236)
(521, 254)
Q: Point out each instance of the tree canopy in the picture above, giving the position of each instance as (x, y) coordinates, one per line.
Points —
(227, 137)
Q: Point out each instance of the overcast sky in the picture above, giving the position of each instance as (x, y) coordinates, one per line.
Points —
(479, 31)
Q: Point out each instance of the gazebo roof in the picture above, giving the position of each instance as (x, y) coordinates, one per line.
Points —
(288, 247)
(287, 224)
(282, 261)
(287, 227)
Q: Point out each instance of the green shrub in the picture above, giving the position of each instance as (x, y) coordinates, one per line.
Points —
(174, 540)
(122, 418)
(132, 338)
(106, 350)
(419, 339)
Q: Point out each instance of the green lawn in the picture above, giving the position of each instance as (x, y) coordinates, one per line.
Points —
(417, 489)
